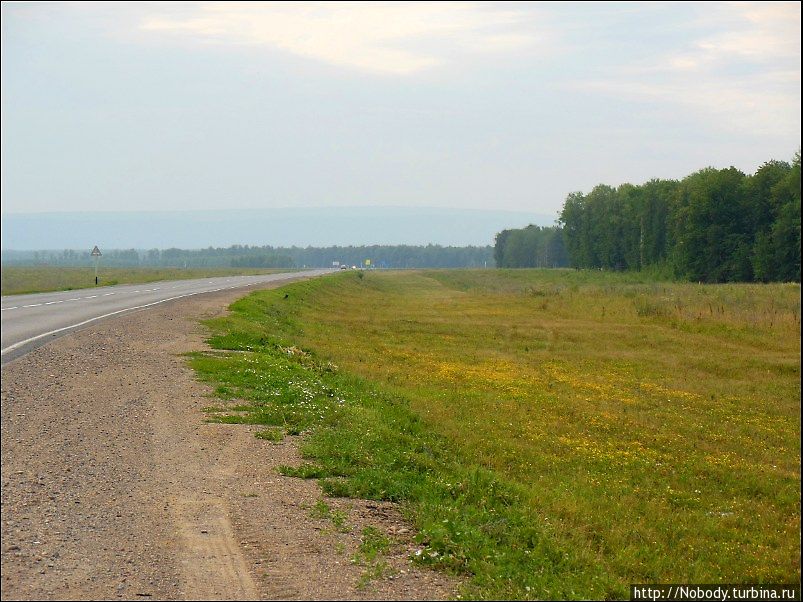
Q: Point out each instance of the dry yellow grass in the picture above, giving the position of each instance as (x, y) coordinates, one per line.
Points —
(555, 433)
(655, 423)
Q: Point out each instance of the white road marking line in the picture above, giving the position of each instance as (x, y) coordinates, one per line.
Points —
(137, 291)
(114, 313)
(90, 297)
(74, 299)
(53, 302)
(5, 308)
(107, 294)
(33, 305)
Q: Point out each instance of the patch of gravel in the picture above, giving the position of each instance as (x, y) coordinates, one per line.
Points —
(114, 487)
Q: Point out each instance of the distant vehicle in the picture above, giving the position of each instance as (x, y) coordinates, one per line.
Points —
(354, 267)
(344, 267)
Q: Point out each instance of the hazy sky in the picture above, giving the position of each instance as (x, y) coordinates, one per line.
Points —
(505, 106)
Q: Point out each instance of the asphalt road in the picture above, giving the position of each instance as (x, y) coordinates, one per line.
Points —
(29, 321)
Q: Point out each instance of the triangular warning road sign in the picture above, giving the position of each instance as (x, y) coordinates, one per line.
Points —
(95, 252)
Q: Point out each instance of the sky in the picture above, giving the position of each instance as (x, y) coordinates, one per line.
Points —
(504, 106)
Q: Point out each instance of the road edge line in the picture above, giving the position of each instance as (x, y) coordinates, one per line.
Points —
(114, 313)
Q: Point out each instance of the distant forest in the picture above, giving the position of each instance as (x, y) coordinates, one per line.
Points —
(715, 225)
(383, 256)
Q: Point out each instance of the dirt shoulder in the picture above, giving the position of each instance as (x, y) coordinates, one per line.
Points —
(114, 487)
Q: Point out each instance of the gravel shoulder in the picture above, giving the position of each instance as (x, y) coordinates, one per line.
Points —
(114, 487)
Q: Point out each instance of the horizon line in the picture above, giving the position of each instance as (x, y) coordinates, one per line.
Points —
(244, 209)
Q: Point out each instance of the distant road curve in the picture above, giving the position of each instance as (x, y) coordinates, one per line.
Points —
(29, 321)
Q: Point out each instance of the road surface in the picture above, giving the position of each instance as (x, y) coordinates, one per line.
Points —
(29, 321)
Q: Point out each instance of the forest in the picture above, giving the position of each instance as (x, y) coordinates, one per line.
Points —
(531, 247)
(715, 225)
(245, 256)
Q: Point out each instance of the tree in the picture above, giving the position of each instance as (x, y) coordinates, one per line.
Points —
(715, 225)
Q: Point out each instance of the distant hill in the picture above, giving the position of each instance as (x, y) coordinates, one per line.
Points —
(277, 227)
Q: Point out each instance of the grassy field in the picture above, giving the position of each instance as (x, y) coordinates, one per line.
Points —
(19, 280)
(551, 434)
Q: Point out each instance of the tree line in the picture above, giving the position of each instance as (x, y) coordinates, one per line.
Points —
(531, 247)
(715, 225)
(383, 256)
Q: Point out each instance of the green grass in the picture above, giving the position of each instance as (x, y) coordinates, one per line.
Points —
(374, 545)
(21, 280)
(551, 434)
(321, 510)
(273, 434)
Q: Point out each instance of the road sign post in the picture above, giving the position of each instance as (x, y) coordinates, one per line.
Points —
(96, 254)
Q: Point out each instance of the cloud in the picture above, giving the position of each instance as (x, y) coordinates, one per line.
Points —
(742, 72)
(757, 33)
(382, 38)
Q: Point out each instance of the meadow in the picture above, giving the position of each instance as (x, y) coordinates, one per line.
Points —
(39, 279)
(550, 433)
